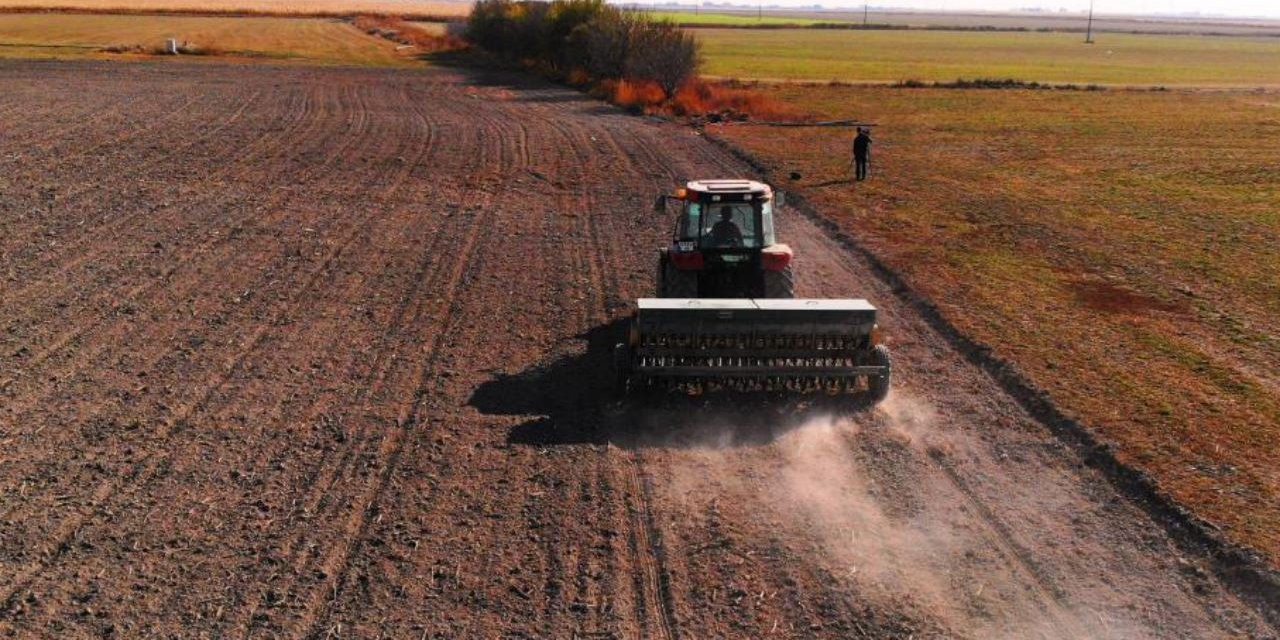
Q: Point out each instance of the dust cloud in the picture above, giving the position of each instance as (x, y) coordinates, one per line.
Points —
(823, 491)
(890, 531)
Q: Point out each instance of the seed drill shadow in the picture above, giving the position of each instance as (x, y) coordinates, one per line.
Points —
(571, 400)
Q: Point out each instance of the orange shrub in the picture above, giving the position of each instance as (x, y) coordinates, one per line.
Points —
(578, 78)
(645, 93)
(699, 97)
(728, 101)
(644, 97)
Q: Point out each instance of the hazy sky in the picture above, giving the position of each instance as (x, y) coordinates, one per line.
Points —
(1268, 8)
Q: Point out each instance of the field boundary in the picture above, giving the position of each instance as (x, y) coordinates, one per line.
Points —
(1243, 570)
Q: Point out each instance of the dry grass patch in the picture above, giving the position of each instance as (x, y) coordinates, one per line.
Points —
(1122, 248)
(433, 8)
(314, 40)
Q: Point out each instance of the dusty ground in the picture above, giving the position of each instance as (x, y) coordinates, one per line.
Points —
(322, 353)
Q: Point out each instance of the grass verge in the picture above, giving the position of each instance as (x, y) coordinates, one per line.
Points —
(1120, 248)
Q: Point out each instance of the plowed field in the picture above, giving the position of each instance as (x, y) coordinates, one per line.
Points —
(324, 353)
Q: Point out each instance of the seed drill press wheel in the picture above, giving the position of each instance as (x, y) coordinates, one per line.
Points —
(878, 386)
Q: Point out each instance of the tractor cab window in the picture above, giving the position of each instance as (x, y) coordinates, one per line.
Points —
(722, 225)
(729, 226)
(688, 227)
(766, 223)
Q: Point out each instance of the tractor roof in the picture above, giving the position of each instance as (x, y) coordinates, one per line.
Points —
(728, 186)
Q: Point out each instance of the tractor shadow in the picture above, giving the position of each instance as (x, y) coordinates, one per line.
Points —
(571, 400)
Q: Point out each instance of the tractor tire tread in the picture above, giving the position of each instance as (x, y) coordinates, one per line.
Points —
(780, 284)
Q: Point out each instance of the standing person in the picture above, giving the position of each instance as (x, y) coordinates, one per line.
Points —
(861, 152)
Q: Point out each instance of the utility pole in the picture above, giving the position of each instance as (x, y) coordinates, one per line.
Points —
(760, 12)
(864, 15)
(1088, 33)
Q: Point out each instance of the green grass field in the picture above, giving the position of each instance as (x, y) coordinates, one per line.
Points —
(890, 56)
(313, 40)
(1030, 21)
(734, 20)
(1121, 247)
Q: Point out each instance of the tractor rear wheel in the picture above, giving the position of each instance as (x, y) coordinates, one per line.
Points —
(780, 284)
(677, 283)
(878, 386)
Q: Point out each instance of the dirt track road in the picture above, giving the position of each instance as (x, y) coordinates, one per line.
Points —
(323, 353)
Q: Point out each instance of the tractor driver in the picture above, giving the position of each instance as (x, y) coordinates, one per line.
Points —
(725, 233)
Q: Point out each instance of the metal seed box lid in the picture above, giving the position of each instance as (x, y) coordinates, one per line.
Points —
(733, 304)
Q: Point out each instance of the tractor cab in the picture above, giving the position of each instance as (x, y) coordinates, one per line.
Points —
(723, 219)
(710, 207)
(724, 244)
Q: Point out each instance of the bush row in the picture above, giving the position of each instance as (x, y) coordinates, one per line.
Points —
(994, 83)
(577, 38)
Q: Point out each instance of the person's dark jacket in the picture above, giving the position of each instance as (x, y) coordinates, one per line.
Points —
(862, 146)
(725, 233)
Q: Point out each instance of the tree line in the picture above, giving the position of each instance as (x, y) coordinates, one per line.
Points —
(586, 40)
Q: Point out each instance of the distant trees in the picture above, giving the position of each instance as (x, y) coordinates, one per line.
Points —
(586, 37)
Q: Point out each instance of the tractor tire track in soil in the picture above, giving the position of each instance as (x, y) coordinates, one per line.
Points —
(323, 353)
(174, 140)
(151, 335)
(147, 467)
(152, 285)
